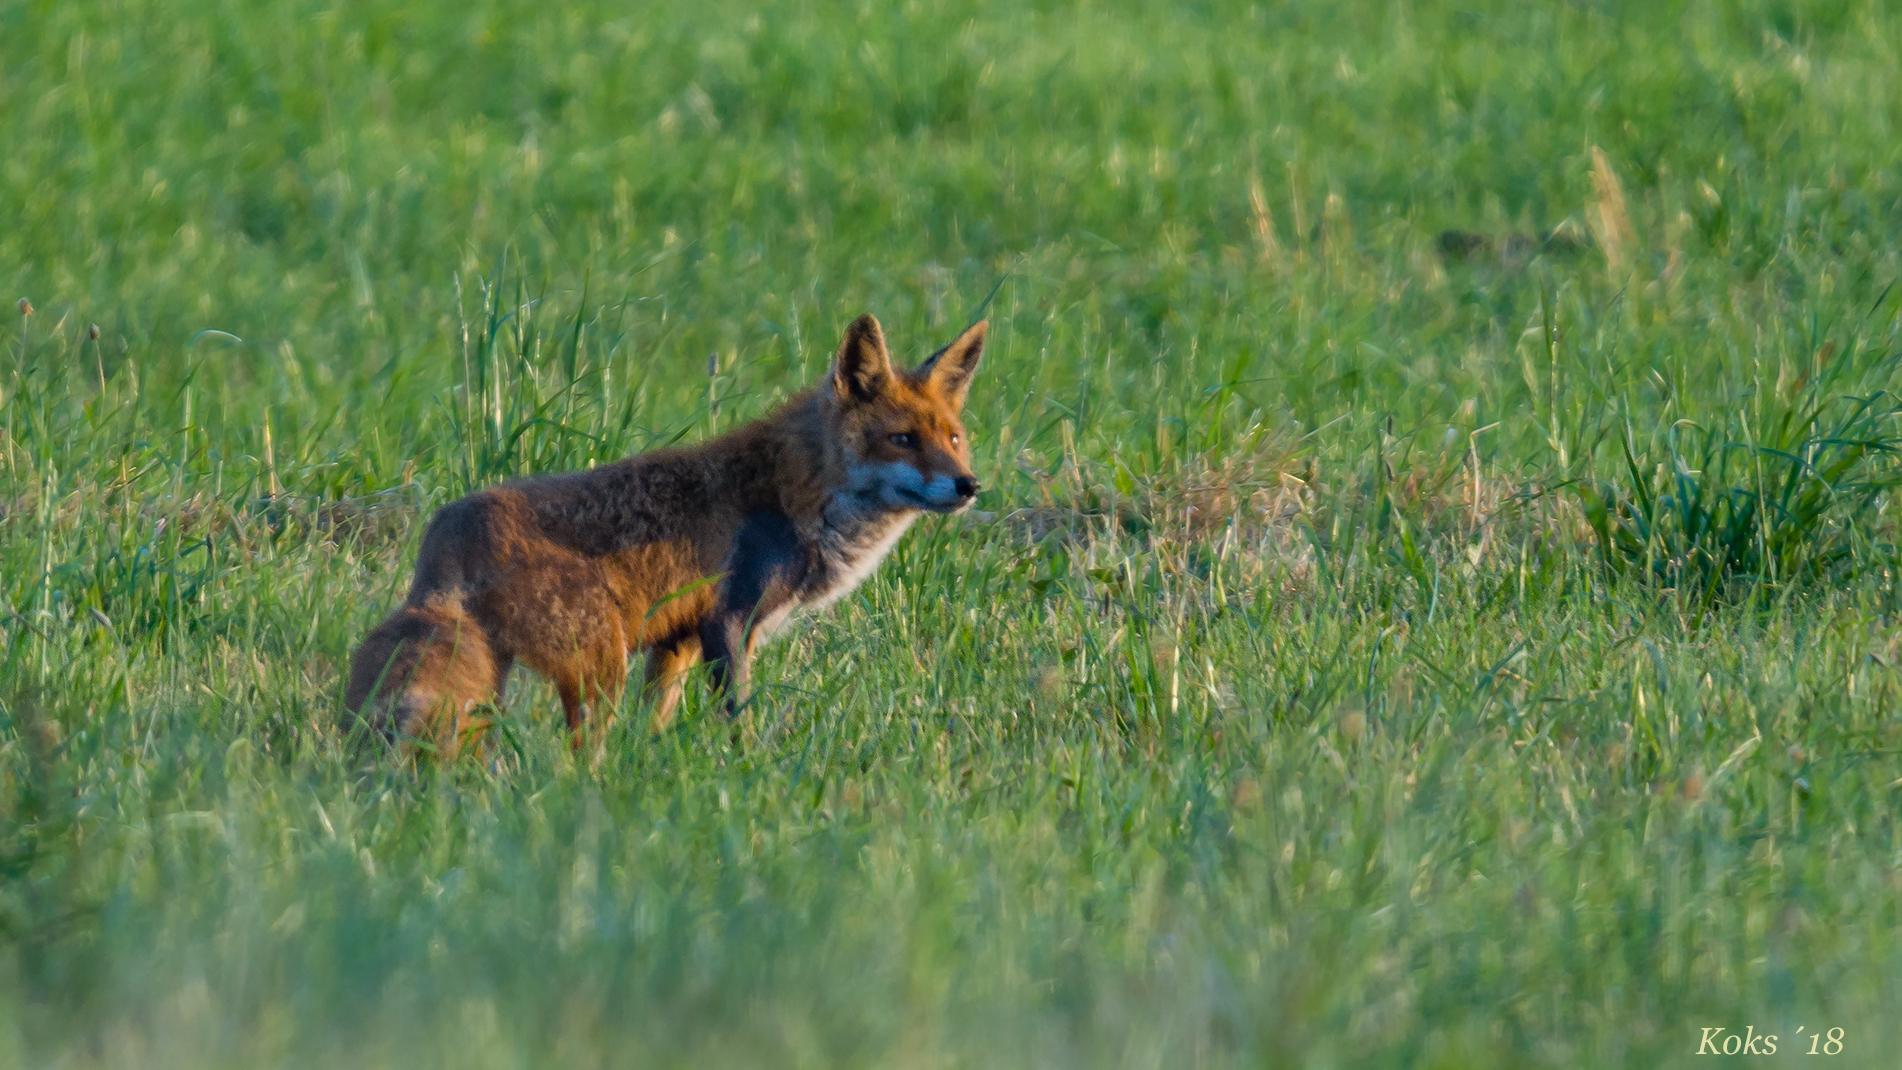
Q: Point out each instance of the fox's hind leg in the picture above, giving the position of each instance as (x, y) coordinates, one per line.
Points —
(585, 695)
(478, 727)
(562, 620)
(420, 673)
(590, 681)
(667, 662)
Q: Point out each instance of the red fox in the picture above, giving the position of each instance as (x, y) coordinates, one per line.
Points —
(687, 553)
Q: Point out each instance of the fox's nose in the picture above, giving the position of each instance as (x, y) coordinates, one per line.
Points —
(967, 487)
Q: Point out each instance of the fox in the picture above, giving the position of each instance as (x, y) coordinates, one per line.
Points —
(690, 554)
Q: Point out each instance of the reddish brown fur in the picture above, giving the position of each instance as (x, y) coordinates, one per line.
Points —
(571, 573)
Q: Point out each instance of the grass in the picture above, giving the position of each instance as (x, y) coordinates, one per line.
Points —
(1779, 496)
(1434, 604)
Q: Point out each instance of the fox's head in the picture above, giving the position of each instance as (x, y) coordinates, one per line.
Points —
(902, 444)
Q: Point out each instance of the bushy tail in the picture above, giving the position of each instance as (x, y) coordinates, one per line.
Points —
(420, 672)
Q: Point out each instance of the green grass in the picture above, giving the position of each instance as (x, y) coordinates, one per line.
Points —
(1372, 651)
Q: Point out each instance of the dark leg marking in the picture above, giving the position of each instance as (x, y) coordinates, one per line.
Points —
(764, 573)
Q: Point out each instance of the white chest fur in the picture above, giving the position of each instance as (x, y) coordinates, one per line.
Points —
(850, 551)
(770, 624)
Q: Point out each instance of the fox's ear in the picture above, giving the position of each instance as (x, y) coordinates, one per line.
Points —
(949, 370)
(862, 365)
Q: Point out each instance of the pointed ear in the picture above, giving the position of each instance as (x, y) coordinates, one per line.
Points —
(858, 374)
(949, 370)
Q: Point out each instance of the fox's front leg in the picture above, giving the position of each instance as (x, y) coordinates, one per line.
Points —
(763, 576)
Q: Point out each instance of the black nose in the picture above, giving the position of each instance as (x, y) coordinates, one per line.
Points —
(967, 487)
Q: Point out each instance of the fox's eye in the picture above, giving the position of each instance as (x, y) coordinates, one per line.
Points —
(905, 440)
(954, 440)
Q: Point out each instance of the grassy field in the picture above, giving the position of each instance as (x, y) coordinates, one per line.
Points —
(1434, 602)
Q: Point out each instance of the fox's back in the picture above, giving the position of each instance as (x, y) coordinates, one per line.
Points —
(664, 496)
(645, 525)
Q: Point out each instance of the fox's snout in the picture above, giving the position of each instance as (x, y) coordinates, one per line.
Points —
(964, 488)
(904, 486)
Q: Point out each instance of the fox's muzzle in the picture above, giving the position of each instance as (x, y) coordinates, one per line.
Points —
(901, 485)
